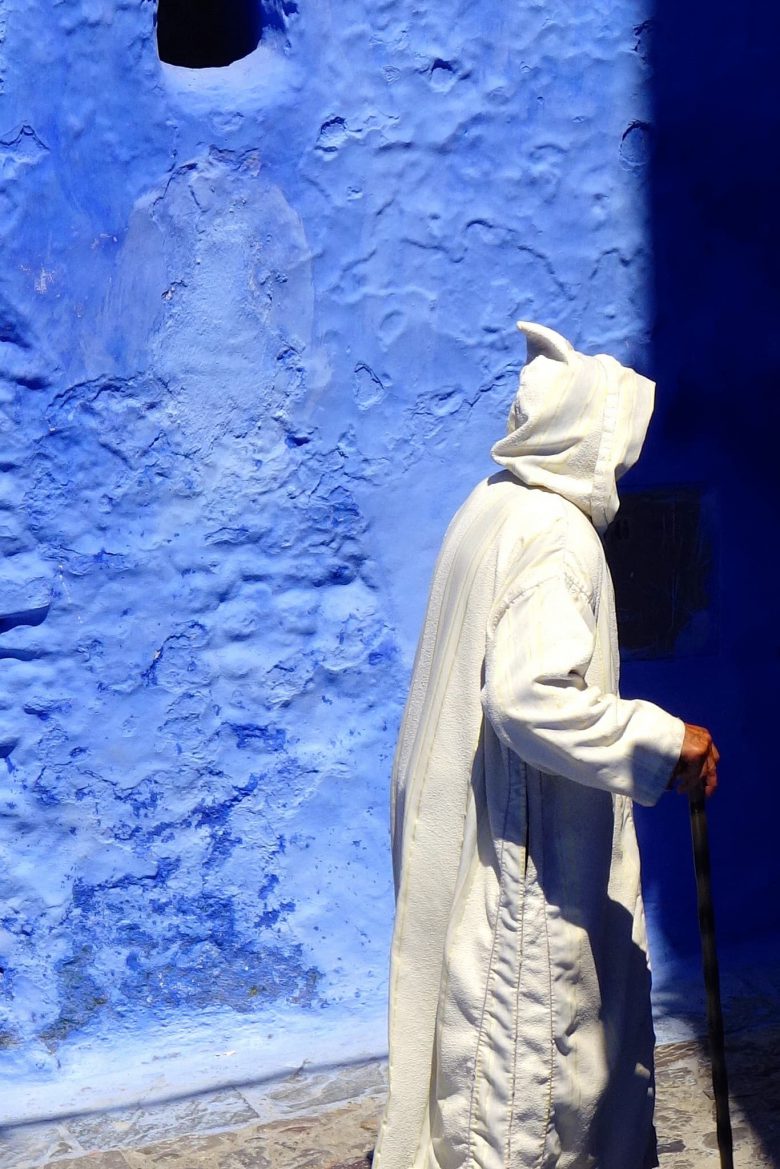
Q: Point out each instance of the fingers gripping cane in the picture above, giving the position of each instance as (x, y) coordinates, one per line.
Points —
(701, 860)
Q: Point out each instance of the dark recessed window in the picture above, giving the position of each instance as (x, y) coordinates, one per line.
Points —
(661, 549)
(201, 34)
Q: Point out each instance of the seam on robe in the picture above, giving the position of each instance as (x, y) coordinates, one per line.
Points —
(508, 600)
(444, 987)
(576, 587)
(520, 940)
(582, 574)
(551, 1014)
(488, 982)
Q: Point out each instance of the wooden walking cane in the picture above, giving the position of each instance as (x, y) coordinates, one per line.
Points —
(701, 860)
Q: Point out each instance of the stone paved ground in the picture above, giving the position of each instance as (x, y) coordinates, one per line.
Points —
(328, 1120)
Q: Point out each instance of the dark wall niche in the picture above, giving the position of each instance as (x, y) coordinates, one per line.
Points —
(661, 553)
(202, 34)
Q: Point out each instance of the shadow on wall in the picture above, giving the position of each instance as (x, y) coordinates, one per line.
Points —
(714, 199)
(716, 189)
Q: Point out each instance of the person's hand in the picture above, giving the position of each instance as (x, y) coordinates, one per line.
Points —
(697, 768)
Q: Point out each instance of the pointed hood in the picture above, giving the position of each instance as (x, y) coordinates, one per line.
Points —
(576, 425)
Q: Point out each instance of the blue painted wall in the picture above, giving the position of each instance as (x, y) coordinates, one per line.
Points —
(257, 338)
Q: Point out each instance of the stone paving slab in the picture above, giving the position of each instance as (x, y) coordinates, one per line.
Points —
(328, 1120)
(685, 1108)
(310, 1092)
(131, 1127)
(339, 1136)
(36, 1144)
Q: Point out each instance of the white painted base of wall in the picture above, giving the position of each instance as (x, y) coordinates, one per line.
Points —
(185, 1057)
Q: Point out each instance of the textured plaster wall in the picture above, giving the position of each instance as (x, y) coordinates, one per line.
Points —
(257, 337)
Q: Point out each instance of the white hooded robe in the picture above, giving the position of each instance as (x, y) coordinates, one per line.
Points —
(520, 1025)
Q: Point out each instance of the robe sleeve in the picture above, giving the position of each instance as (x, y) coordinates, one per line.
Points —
(541, 641)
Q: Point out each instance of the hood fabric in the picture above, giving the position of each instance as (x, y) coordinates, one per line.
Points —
(576, 425)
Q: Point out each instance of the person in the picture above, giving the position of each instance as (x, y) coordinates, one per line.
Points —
(520, 1027)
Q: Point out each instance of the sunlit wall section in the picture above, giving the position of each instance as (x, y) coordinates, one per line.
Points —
(257, 328)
